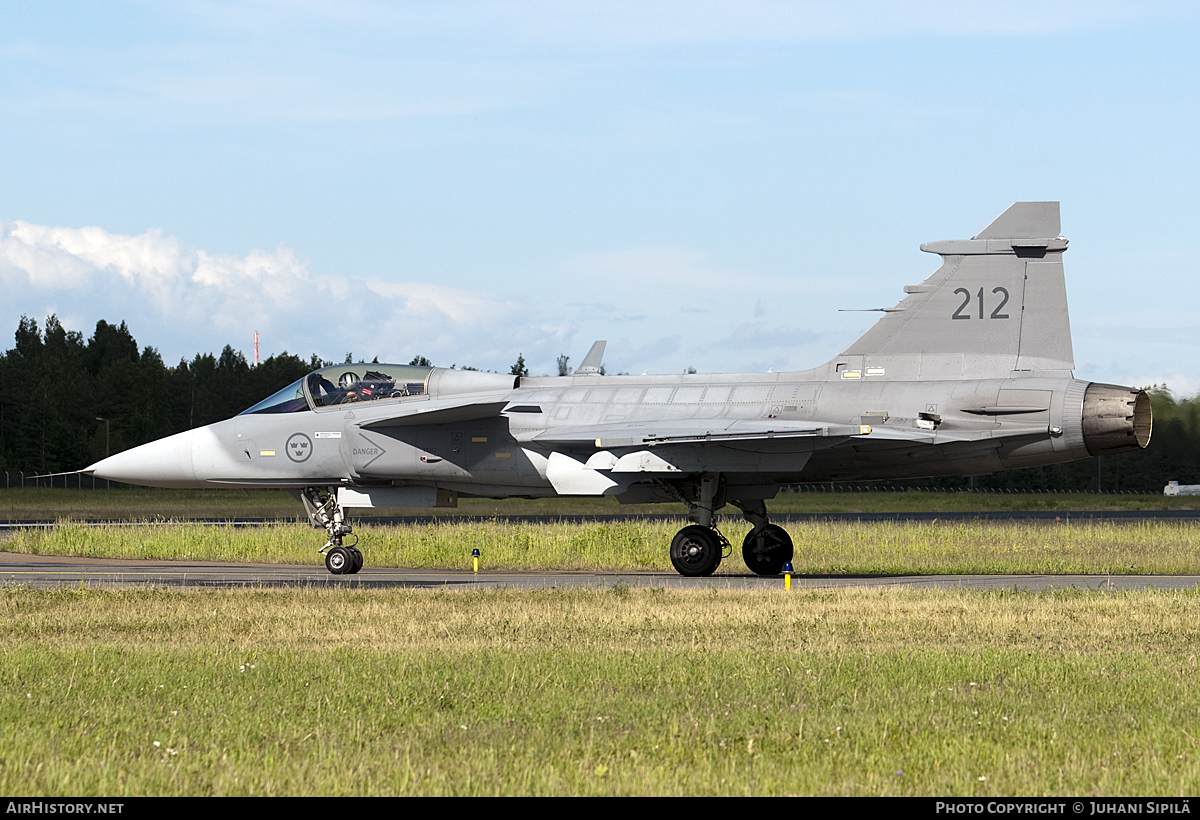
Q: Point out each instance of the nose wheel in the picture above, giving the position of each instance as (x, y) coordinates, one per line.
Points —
(343, 560)
(325, 513)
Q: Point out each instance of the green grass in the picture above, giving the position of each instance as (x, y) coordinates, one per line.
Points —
(852, 692)
(145, 504)
(822, 547)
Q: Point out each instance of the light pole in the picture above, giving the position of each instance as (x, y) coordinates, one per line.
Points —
(107, 483)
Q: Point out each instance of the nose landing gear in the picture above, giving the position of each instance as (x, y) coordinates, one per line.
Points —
(325, 513)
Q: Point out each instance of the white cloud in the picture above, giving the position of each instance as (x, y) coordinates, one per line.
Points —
(184, 300)
(661, 309)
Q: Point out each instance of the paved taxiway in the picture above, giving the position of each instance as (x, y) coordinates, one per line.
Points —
(45, 571)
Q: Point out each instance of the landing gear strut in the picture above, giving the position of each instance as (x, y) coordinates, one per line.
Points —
(324, 512)
(697, 549)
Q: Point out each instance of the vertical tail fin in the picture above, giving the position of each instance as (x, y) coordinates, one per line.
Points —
(593, 360)
(998, 304)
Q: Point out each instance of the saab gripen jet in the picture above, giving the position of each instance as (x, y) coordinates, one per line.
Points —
(969, 373)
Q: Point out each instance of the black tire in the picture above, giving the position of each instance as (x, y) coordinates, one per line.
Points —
(695, 551)
(338, 560)
(766, 551)
(357, 563)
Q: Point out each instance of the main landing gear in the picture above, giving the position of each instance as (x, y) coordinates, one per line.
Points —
(767, 547)
(325, 513)
(697, 549)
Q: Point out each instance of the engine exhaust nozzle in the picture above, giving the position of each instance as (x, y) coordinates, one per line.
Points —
(1115, 419)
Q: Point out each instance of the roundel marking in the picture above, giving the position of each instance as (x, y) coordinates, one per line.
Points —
(299, 447)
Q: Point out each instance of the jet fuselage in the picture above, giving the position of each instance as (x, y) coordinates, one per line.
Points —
(882, 429)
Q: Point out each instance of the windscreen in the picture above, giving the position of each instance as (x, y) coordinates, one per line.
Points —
(353, 383)
(288, 400)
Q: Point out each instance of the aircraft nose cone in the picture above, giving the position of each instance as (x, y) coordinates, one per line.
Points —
(163, 463)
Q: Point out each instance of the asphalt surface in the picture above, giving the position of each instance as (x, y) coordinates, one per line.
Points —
(45, 571)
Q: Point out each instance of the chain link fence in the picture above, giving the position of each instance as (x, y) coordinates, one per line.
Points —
(79, 481)
(827, 487)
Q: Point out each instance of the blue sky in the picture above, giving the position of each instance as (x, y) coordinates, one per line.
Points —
(703, 184)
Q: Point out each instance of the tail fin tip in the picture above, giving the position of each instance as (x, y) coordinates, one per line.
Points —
(1025, 220)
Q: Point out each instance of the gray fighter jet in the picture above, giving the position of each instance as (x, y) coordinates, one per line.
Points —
(969, 373)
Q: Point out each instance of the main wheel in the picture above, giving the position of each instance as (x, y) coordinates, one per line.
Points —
(695, 551)
(767, 550)
(338, 560)
(357, 563)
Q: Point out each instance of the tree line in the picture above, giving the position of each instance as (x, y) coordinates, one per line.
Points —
(66, 402)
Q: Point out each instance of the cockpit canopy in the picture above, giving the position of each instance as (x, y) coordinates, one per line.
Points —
(288, 400)
(351, 383)
(346, 384)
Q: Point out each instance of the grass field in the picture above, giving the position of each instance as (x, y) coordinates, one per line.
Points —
(823, 547)
(28, 503)
(625, 691)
